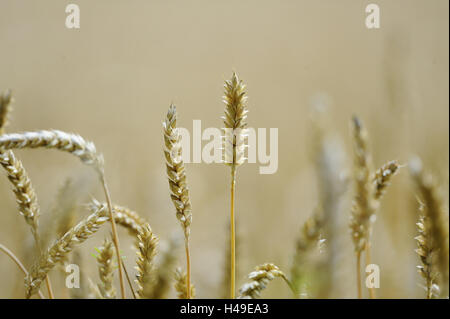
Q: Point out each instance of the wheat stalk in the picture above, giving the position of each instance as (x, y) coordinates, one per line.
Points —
(147, 250)
(106, 270)
(16, 260)
(180, 284)
(23, 190)
(235, 121)
(436, 222)
(262, 275)
(177, 181)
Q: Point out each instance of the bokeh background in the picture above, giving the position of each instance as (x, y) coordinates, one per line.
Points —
(113, 79)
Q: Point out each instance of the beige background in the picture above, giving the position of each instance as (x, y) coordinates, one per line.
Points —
(112, 81)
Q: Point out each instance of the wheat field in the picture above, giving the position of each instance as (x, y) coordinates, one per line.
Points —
(91, 162)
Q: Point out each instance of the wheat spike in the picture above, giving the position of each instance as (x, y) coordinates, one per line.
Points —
(176, 170)
(54, 139)
(383, 176)
(180, 284)
(23, 189)
(364, 206)
(63, 246)
(425, 251)
(106, 270)
(235, 121)
(262, 275)
(436, 221)
(147, 250)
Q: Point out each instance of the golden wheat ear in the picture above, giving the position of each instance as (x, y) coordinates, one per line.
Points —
(180, 284)
(105, 261)
(145, 264)
(176, 173)
(259, 279)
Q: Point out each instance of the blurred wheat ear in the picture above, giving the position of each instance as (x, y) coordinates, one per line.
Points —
(433, 239)
(180, 284)
(235, 121)
(370, 186)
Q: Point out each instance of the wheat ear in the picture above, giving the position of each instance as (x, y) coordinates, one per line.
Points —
(425, 251)
(436, 222)
(262, 275)
(180, 284)
(56, 252)
(23, 190)
(147, 250)
(106, 270)
(177, 181)
(383, 176)
(78, 147)
(235, 121)
(364, 205)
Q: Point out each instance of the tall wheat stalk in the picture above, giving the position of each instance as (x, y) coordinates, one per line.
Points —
(176, 174)
(235, 121)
